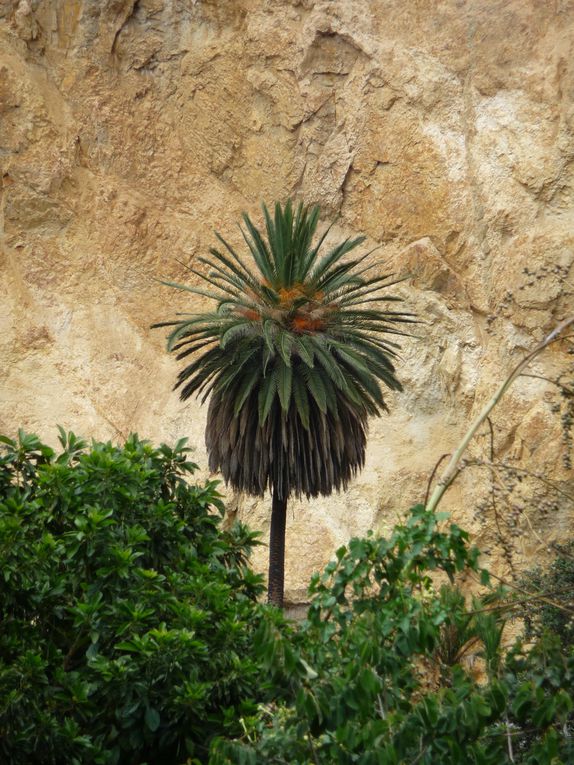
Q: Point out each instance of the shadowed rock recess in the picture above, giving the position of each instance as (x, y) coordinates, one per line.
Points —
(130, 130)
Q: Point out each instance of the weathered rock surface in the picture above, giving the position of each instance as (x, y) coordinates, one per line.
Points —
(130, 129)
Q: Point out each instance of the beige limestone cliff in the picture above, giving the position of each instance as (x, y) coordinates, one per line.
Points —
(441, 129)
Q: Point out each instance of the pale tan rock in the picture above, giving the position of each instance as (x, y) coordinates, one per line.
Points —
(443, 131)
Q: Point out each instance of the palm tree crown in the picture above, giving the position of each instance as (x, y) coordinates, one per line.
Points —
(292, 356)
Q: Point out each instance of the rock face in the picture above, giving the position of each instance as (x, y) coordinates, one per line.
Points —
(444, 131)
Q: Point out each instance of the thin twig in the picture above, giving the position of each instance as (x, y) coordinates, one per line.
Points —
(538, 477)
(541, 377)
(509, 605)
(491, 429)
(566, 389)
(432, 475)
(420, 755)
(507, 498)
(520, 732)
(492, 491)
(533, 595)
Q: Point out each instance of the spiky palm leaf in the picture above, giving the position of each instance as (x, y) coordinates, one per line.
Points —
(292, 356)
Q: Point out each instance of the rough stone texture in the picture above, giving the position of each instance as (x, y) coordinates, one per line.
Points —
(129, 130)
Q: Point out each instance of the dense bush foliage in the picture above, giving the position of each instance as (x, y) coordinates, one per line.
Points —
(130, 633)
(555, 612)
(370, 680)
(126, 615)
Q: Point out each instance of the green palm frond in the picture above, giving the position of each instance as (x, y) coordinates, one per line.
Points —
(292, 357)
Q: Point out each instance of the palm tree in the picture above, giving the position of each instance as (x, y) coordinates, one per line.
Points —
(292, 357)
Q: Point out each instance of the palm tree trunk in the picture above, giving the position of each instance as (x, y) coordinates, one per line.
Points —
(276, 577)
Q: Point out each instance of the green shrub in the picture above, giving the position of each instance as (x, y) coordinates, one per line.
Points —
(556, 583)
(126, 615)
(366, 682)
(130, 633)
